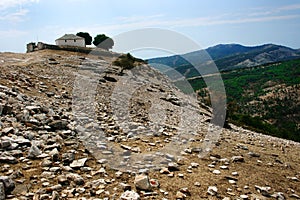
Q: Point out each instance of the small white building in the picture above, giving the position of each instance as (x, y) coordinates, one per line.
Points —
(70, 40)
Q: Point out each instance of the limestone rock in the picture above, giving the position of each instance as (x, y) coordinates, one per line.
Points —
(76, 178)
(34, 152)
(254, 155)
(173, 167)
(59, 125)
(216, 171)
(237, 159)
(8, 159)
(142, 182)
(54, 153)
(279, 196)
(212, 190)
(180, 195)
(243, 196)
(78, 163)
(130, 195)
(63, 180)
(8, 183)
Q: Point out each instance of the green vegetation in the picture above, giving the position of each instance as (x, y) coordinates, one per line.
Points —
(263, 98)
(127, 61)
(103, 41)
(88, 39)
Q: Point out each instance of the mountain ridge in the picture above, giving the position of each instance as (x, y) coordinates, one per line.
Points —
(228, 57)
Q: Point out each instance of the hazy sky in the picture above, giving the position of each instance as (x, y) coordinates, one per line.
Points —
(207, 22)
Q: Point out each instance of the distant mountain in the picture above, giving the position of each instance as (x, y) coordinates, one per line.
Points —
(227, 57)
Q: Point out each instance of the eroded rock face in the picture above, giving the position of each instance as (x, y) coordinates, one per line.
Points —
(144, 139)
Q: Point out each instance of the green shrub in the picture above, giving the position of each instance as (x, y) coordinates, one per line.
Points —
(127, 61)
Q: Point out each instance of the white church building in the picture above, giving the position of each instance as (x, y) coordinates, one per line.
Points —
(70, 40)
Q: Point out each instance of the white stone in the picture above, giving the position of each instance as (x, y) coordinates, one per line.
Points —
(212, 190)
(78, 163)
(216, 172)
(130, 195)
(235, 173)
(243, 196)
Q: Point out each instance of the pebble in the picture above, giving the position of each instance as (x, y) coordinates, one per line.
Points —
(173, 167)
(181, 175)
(216, 172)
(164, 170)
(212, 190)
(76, 178)
(243, 196)
(237, 159)
(195, 165)
(34, 152)
(180, 195)
(130, 195)
(223, 167)
(234, 173)
(254, 155)
(78, 163)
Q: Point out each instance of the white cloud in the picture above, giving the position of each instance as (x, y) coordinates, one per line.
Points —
(14, 17)
(264, 11)
(5, 4)
(220, 21)
(140, 22)
(13, 11)
(290, 7)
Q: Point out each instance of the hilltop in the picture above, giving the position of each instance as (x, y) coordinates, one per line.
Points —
(73, 127)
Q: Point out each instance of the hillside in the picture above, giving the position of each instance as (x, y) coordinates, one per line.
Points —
(73, 127)
(265, 98)
(228, 57)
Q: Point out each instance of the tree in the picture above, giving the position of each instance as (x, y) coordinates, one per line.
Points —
(127, 62)
(88, 39)
(103, 41)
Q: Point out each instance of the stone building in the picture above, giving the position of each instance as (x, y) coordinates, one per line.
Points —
(70, 40)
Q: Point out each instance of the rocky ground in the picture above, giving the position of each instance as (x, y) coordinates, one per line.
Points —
(73, 128)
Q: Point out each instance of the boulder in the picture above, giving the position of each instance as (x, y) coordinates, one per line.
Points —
(9, 184)
(142, 182)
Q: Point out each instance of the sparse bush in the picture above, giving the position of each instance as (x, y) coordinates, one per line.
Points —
(127, 61)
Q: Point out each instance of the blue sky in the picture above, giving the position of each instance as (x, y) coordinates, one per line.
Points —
(247, 22)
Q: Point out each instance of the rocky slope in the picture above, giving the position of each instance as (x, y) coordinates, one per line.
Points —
(72, 128)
